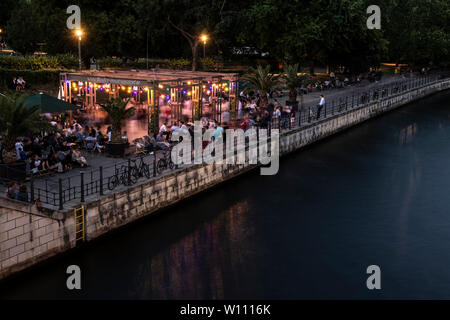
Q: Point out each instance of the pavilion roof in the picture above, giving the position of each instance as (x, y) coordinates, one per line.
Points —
(146, 77)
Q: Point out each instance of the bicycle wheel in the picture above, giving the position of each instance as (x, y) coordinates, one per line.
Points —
(161, 166)
(146, 171)
(134, 176)
(171, 164)
(113, 182)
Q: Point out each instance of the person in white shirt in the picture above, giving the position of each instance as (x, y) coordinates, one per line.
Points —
(174, 128)
(183, 126)
(19, 146)
(108, 133)
(320, 106)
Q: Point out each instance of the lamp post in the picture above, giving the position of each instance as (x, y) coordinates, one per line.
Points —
(204, 38)
(79, 34)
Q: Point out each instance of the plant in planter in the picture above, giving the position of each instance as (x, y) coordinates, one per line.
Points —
(118, 112)
(261, 80)
(292, 81)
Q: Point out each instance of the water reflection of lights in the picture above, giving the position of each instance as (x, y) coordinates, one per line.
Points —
(407, 134)
(181, 269)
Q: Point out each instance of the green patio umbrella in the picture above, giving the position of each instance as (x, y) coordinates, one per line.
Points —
(49, 104)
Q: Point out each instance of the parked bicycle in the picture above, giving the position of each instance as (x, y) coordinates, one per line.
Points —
(165, 162)
(121, 176)
(143, 170)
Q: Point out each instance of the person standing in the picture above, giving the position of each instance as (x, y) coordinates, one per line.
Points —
(320, 106)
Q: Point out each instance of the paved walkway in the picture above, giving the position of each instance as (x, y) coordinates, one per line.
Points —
(312, 98)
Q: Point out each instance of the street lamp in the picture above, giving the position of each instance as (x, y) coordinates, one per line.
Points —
(79, 34)
(204, 38)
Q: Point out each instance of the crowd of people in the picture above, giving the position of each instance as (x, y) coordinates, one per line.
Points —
(255, 113)
(51, 153)
(62, 150)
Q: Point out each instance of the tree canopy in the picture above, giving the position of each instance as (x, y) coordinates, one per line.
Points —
(309, 32)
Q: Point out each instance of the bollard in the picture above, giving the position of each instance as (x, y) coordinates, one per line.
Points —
(82, 186)
(60, 194)
(101, 180)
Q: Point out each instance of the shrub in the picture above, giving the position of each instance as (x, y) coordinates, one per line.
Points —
(211, 64)
(109, 62)
(179, 64)
(67, 60)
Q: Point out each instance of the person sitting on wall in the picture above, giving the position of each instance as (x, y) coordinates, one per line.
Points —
(12, 190)
(22, 194)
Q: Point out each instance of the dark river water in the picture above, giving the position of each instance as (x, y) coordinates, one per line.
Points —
(378, 194)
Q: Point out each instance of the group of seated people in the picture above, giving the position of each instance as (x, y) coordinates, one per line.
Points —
(163, 139)
(92, 139)
(18, 84)
(49, 153)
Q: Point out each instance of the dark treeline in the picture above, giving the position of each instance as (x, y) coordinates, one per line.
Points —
(309, 32)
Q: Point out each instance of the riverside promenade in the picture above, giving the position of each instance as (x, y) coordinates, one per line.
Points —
(62, 191)
(29, 235)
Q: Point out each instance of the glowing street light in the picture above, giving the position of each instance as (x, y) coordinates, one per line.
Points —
(79, 34)
(204, 38)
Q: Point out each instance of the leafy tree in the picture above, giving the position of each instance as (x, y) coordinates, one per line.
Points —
(18, 120)
(261, 80)
(292, 80)
(23, 29)
(118, 112)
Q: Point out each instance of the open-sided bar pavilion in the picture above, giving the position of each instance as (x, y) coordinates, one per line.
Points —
(200, 93)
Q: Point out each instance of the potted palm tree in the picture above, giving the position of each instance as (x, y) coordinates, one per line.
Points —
(118, 112)
(17, 120)
(261, 80)
(292, 81)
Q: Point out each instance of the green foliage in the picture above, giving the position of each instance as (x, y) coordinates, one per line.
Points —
(211, 64)
(18, 35)
(292, 80)
(307, 32)
(31, 77)
(110, 62)
(16, 120)
(67, 61)
(118, 112)
(114, 62)
(261, 80)
(38, 62)
(179, 64)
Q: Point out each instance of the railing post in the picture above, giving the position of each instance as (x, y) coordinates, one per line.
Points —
(129, 172)
(60, 194)
(82, 186)
(32, 189)
(101, 180)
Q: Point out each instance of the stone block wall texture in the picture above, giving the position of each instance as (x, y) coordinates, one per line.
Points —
(27, 238)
